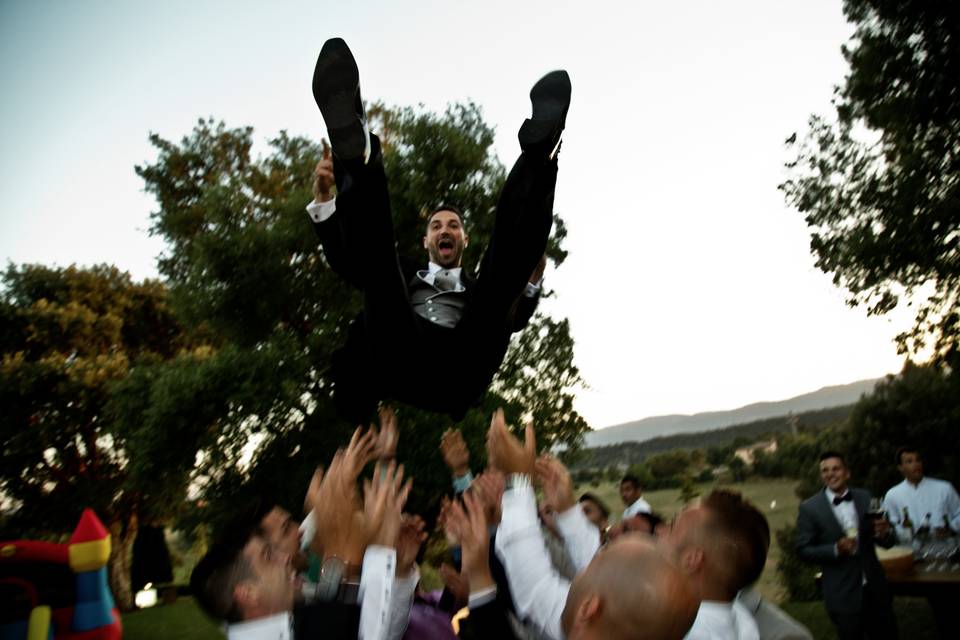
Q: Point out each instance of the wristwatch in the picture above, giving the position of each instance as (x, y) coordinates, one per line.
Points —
(334, 584)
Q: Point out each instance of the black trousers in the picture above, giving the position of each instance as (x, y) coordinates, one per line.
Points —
(393, 353)
(875, 619)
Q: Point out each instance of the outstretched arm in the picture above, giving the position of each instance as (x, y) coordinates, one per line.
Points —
(539, 593)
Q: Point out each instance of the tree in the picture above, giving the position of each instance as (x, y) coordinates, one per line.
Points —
(70, 339)
(880, 184)
(244, 267)
(920, 407)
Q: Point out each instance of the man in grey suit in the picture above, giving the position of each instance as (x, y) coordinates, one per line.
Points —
(834, 531)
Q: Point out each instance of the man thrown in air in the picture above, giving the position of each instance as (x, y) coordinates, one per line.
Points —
(430, 334)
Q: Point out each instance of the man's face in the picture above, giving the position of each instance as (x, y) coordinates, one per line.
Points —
(274, 583)
(911, 466)
(834, 474)
(594, 514)
(629, 492)
(283, 534)
(445, 239)
(682, 538)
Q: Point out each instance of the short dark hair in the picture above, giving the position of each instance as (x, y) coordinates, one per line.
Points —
(907, 449)
(445, 206)
(216, 576)
(592, 497)
(224, 566)
(739, 521)
(833, 454)
(632, 479)
(652, 519)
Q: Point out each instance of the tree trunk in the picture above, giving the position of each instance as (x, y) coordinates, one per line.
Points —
(121, 553)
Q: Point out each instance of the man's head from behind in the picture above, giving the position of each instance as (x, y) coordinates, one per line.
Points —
(720, 543)
(242, 578)
(630, 489)
(629, 585)
(445, 238)
(910, 464)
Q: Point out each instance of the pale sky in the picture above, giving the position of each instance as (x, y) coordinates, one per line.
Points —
(689, 286)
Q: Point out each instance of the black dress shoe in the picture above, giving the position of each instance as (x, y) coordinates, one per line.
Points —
(540, 134)
(336, 88)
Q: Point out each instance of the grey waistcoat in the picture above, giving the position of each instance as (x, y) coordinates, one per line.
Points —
(444, 308)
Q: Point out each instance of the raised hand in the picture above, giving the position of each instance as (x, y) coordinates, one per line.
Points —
(488, 487)
(556, 483)
(454, 451)
(505, 452)
(335, 507)
(386, 444)
(323, 176)
(313, 491)
(384, 498)
(412, 536)
(470, 523)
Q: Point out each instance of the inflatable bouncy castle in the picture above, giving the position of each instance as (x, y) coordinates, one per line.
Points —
(58, 591)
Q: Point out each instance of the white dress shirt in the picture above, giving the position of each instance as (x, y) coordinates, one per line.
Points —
(539, 592)
(275, 627)
(936, 497)
(639, 506)
(773, 623)
(580, 537)
(845, 513)
(723, 621)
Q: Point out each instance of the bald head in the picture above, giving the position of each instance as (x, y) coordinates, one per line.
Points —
(630, 586)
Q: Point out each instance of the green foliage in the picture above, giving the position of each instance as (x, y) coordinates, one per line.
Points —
(73, 336)
(879, 184)
(738, 468)
(920, 407)
(688, 489)
(796, 576)
(75, 343)
(245, 268)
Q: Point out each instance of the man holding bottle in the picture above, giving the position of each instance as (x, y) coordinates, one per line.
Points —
(931, 506)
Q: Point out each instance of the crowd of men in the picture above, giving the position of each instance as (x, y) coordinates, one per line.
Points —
(520, 567)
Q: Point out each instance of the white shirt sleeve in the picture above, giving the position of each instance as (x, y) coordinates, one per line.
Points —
(320, 211)
(539, 593)
(951, 505)
(403, 591)
(376, 592)
(580, 537)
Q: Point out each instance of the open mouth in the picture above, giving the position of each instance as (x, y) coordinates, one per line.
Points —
(445, 246)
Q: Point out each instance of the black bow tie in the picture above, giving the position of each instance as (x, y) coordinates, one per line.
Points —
(847, 497)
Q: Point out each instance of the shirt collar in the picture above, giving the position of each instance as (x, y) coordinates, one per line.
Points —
(433, 267)
(831, 495)
(275, 627)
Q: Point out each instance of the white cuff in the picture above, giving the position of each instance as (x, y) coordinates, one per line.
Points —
(533, 290)
(482, 597)
(320, 211)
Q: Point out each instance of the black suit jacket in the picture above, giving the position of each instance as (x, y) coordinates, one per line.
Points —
(364, 375)
(487, 622)
(818, 531)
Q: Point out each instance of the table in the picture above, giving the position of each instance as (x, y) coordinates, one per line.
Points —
(925, 583)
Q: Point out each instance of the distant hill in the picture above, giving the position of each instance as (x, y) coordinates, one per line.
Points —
(657, 426)
(626, 453)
